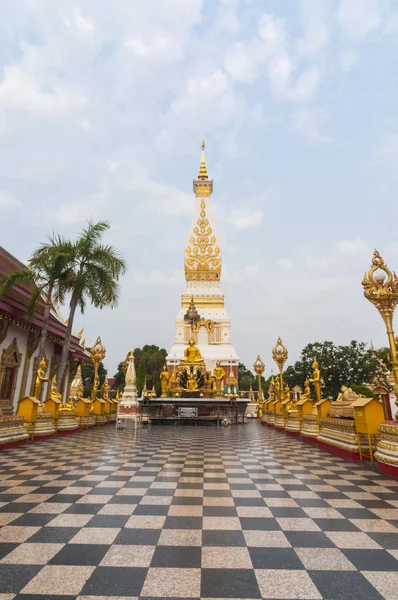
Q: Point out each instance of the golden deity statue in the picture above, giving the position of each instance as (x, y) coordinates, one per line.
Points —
(277, 389)
(40, 377)
(307, 391)
(105, 390)
(192, 353)
(271, 389)
(55, 395)
(316, 380)
(219, 375)
(164, 381)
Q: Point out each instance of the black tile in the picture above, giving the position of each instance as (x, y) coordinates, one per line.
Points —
(312, 503)
(138, 537)
(217, 493)
(183, 523)
(33, 520)
(223, 538)
(6, 548)
(190, 486)
(118, 521)
(308, 539)
(372, 560)
(374, 504)
(290, 513)
(14, 577)
(80, 554)
(43, 597)
(219, 511)
(187, 500)
(356, 513)
(249, 502)
(54, 535)
(343, 585)
(83, 509)
(125, 500)
(177, 557)
(257, 523)
(229, 583)
(389, 541)
(159, 492)
(101, 491)
(274, 494)
(275, 558)
(151, 509)
(65, 498)
(17, 507)
(243, 486)
(336, 525)
(115, 581)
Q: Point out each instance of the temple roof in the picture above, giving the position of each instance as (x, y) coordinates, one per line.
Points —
(14, 308)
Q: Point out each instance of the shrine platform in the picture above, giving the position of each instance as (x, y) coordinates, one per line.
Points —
(193, 411)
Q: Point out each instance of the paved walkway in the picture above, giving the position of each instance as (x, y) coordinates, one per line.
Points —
(200, 512)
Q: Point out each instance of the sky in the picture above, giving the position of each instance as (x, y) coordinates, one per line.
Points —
(103, 107)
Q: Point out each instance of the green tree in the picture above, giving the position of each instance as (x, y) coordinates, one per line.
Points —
(149, 361)
(119, 377)
(94, 272)
(44, 279)
(339, 365)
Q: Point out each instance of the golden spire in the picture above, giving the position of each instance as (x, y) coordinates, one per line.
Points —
(203, 169)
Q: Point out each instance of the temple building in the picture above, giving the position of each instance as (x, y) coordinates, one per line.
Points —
(202, 315)
(19, 341)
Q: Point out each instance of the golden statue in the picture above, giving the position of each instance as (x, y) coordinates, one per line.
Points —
(277, 389)
(290, 406)
(40, 377)
(164, 381)
(55, 395)
(192, 353)
(105, 390)
(316, 380)
(219, 375)
(307, 391)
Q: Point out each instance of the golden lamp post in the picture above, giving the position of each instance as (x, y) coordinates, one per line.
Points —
(381, 289)
(97, 354)
(280, 354)
(259, 368)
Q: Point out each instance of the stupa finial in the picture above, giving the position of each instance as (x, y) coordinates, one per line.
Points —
(203, 169)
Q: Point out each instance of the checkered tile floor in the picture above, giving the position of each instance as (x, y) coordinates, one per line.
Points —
(193, 512)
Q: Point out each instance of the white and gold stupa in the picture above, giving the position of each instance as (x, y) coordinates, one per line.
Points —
(212, 332)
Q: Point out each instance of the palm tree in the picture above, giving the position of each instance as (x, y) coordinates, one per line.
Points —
(43, 278)
(94, 271)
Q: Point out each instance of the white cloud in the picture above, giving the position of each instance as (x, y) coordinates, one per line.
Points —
(353, 247)
(85, 124)
(7, 200)
(285, 263)
(358, 19)
(245, 218)
(84, 25)
(317, 23)
(348, 59)
(308, 122)
(19, 90)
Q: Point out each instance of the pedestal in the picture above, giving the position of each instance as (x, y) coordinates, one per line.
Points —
(43, 426)
(387, 448)
(67, 422)
(310, 428)
(280, 421)
(12, 431)
(293, 424)
(340, 436)
(91, 420)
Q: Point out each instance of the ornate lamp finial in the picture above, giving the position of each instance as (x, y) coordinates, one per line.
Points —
(380, 287)
(280, 354)
(203, 169)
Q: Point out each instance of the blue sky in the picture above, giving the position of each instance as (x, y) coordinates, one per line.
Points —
(103, 106)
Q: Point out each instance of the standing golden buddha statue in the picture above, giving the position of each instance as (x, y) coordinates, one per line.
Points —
(219, 375)
(40, 379)
(316, 380)
(164, 381)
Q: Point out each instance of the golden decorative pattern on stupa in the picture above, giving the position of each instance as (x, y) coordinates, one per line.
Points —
(202, 255)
